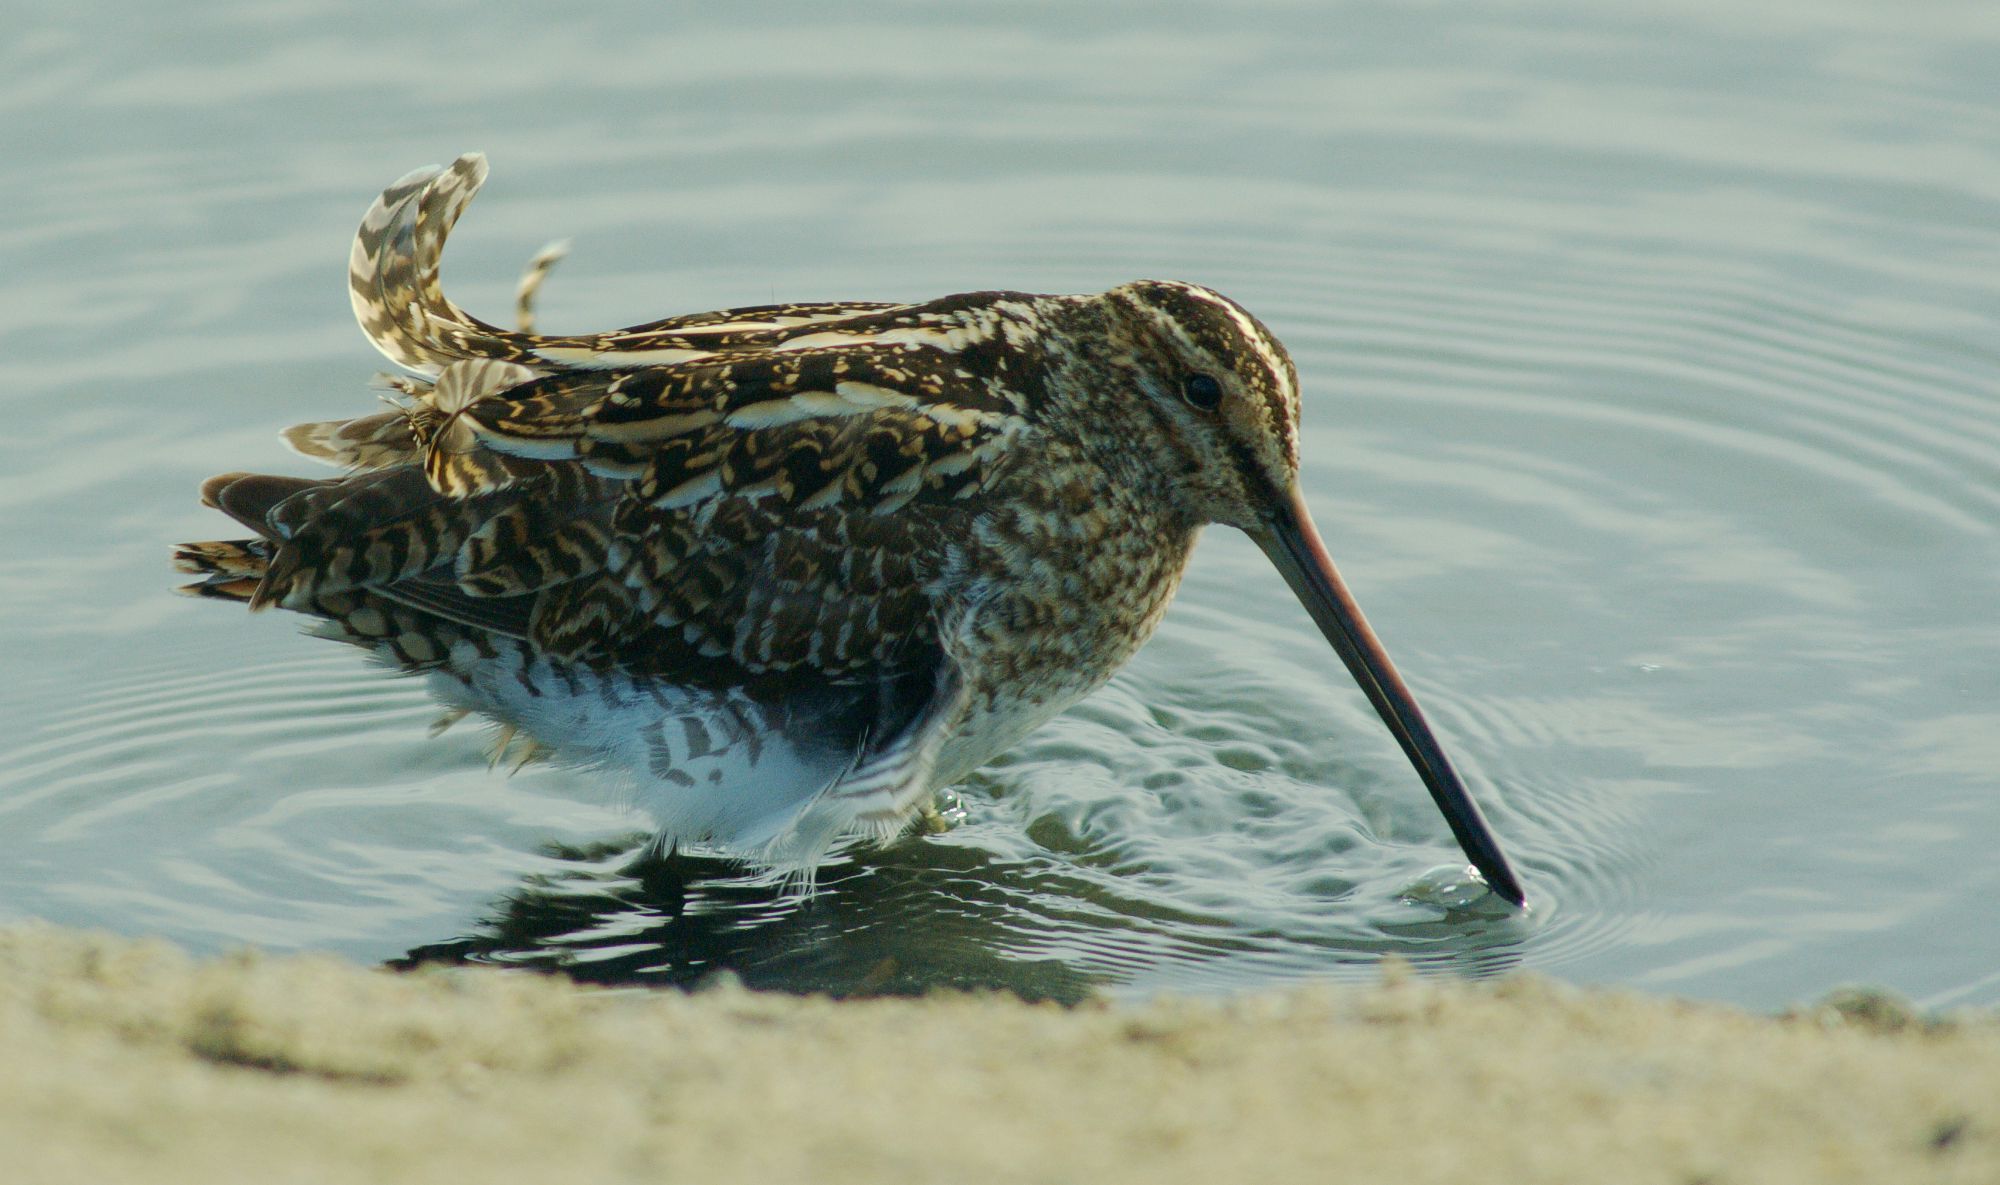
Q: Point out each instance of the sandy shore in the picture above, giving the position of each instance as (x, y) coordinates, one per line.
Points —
(126, 1061)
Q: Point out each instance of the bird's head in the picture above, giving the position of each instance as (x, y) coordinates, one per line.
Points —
(1223, 394)
(1223, 398)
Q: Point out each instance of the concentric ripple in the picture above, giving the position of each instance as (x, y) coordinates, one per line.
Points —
(1651, 412)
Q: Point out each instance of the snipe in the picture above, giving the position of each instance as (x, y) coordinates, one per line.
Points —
(795, 567)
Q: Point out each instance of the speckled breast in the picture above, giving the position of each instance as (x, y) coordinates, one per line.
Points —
(1065, 577)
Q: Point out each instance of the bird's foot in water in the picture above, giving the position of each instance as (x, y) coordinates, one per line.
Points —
(943, 812)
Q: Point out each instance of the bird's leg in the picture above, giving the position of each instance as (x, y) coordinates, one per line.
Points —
(941, 812)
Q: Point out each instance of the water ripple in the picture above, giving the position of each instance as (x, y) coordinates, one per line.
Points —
(1649, 412)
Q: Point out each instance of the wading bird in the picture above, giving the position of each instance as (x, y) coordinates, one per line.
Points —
(794, 567)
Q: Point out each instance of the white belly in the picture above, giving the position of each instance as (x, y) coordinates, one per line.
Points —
(705, 766)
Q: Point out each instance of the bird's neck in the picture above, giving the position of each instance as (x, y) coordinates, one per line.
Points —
(1091, 408)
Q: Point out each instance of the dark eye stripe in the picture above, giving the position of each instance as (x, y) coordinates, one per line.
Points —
(1201, 391)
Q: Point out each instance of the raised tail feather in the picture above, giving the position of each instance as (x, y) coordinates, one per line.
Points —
(393, 269)
(392, 275)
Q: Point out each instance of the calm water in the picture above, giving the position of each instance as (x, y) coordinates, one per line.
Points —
(1652, 367)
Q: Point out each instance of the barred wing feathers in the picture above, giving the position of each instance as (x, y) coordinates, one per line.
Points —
(398, 298)
(741, 507)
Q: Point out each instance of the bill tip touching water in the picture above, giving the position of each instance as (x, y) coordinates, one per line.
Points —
(793, 568)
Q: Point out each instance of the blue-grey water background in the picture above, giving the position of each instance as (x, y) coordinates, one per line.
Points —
(1652, 374)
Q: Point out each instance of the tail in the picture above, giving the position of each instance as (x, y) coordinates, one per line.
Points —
(351, 552)
(234, 569)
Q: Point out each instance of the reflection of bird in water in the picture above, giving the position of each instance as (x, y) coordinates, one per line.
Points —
(795, 566)
(909, 918)
(890, 922)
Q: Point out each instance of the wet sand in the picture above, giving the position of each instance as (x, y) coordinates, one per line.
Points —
(126, 1061)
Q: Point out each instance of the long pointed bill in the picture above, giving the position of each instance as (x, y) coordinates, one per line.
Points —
(1295, 547)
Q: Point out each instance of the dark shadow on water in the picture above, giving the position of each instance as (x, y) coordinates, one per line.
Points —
(911, 918)
(875, 924)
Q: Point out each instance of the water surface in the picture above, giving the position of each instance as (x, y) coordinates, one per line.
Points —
(1650, 368)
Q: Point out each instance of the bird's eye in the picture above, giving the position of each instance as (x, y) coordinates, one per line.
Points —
(1201, 391)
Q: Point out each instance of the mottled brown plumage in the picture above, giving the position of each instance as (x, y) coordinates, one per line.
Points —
(795, 566)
